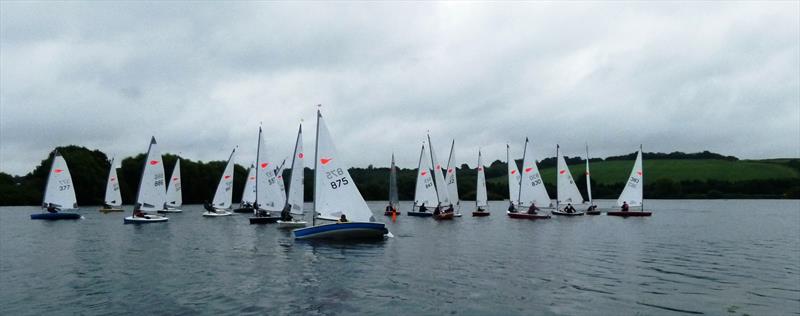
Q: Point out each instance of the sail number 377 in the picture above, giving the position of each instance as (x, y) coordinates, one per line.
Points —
(337, 177)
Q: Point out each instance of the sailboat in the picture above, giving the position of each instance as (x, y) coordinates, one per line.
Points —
(394, 200)
(268, 194)
(294, 198)
(249, 192)
(152, 193)
(174, 195)
(592, 210)
(566, 190)
(113, 199)
(336, 197)
(425, 192)
(223, 197)
(450, 180)
(633, 193)
(444, 209)
(531, 189)
(481, 199)
(59, 193)
(513, 180)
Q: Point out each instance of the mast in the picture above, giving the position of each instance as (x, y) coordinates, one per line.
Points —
(524, 152)
(294, 156)
(49, 174)
(642, 153)
(316, 168)
(588, 175)
(419, 170)
(558, 198)
(258, 165)
(476, 187)
(144, 165)
(433, 165)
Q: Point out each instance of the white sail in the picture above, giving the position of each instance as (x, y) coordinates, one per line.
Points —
(281, 183)
(532, 188)
(450, 177)
(336, 192)
(113, 197)
(59, 191)
(295, 195)
(394, 199)
(249, 193)
(441, 187)
(513, 178)
(566, 189)
(174, 195)
(481, 199)
(588, 177)
(268, 191)
(425, 192)
(152, 188)
(223, 197)
(633, 193)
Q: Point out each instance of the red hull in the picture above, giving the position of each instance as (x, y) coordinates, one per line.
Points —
(527, 216)
(480, 214)
(629, 214)
(444, 216)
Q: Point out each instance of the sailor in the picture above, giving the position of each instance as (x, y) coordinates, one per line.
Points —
(208, 207)
(511, 208)
(286, 214)
(449, 209)
(532, 209)
(343, 219)
(437, 211)
(389, 209)
(569, 208)
(591, 208)
(625, 206)
(52, 208)
(422, 208)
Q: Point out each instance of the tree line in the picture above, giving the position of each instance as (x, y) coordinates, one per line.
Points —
(89, 169)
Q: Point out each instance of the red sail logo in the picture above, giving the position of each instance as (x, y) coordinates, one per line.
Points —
(639, 172)
(252, 178)
(112, 178)
(300, 155)
(424, 173)
(227, 177)
(438, 167)
(153, 162)
(325, 161)
(175, 179)
(480, 168)
(562, 172)
(450, 170)
(513, 171)
(264, 165)
(587, 173)
(527, 170)
(58, 171)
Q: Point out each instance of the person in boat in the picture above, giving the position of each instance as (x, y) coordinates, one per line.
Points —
(51, 208)
(342, 219)
(437, 211)
(511, 208)
(625, 206)
(449, 209)
(389, 209)
(532, 209)
(422, 208)
(480, 209)
(569, 208)
(286, 215)
(208, 207)
(138, 213)
(106, 206)
(591, 208)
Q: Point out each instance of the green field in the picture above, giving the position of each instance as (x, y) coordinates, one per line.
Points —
(617, 171)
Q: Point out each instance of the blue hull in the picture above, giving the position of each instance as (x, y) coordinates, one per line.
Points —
(56, 216)
(343, 231)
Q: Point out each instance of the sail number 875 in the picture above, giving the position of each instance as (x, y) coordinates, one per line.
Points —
(337, 177)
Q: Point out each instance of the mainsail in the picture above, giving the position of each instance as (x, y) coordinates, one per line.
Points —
(59, 191)
(113, 197)
(566, 190)
(425, 192)
(633, 193)
(174, 196)
(152, 192)
(532, 188)
(441, 187)
(295, 195)
(224, 195)
(481, 199)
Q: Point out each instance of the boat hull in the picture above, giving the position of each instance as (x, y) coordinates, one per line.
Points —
(244, 210)
(218, 213)
(145, 220)
(390, 213)
(55, 216)
(480, 213)
(171, 210)
(457, 215)
(593, 212)
(444, 216)
(419, 214)
(562, 213)
(264, 220)
(343, 231)
(527, 216)
(629, 214)
(291, 224)
(110, 210)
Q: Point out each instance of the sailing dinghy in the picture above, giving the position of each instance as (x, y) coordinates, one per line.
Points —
(394, 200)
(268, 195)
(444, 209)
(633, 193)
(113, 199)
(531, 190)
(174, 195)
(59, 193)
(223, 197)
(294, 198)
(249, 192)
(592, 209)
(336, 197)
(152, 193)
(425, 192)
(481, 199)
(451, 182)
(566, 190)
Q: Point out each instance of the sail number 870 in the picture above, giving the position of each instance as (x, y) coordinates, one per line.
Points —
(337, 177)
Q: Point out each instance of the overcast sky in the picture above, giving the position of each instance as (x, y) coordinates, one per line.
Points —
(201, 76)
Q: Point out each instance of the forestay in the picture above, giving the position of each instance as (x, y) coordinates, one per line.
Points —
(295, 195)
(113, 197)
(59, 190)
(532, 188)
(174, 196)
(450, 177)
(633, 189)
(224, 195)
(152, 189)
(249, 193)
(513, 178)
(481, 199)
(566, 190)
(441, 187)
(335, 191)
(425, 192)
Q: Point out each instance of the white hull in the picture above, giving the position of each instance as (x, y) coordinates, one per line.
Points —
(217, 213)
(457, 214)
(148, 219)
(292, 224)
(171, 210)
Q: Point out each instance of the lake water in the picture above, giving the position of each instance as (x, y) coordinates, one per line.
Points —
(696, 257)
